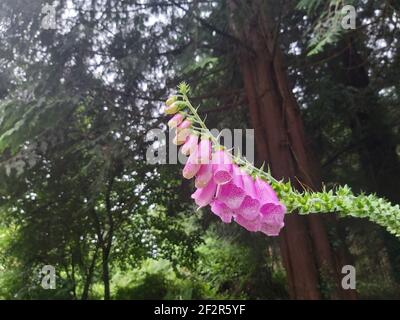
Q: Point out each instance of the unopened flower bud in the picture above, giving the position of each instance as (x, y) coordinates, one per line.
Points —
(172, 109)
(171, 100)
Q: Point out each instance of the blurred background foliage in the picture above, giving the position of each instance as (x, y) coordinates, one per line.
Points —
(77, 101)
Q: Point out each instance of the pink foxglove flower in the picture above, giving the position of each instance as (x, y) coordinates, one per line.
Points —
(271, 230)
(272, 219)
(203, 176)
(249, 185)
(175, 121)
(190, 145)
(221, 210)
(203, 196)
(265, 191)
(250, 225)
(222, 164)
(249, 209)
(272, 211)
(232, 193)
(268, 198)
(192, 166)
(204, 151)
(184, 125)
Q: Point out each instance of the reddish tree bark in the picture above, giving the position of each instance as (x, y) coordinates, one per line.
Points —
(281, 143)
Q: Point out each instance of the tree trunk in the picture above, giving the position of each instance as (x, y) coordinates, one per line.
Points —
(280, 142)
(89, 275)
(107, 243)
(106, 275)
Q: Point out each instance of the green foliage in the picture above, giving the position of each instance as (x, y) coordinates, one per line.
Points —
(226, 265)
(236, 269)
(327, 28)
(226, 269)
(159, 280)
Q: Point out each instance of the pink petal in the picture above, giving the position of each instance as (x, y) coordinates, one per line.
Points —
(221, 210)
(249, 208)
(223, 167)
(204, 151)
(175, 120)
(249, 185)
(272, 216)
(231, 195)
(265, 191)
(237, 176)
(204, 175)
(250, 225)
(191, 167)
(203, 196)
(182, 132)
(273, 209)
(185, 125)
(190, 144)
(271, 230)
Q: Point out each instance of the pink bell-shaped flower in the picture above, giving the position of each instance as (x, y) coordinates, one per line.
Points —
(249, 185)
(265, 191)
(272, 211)
(272, 219)
(203, 196)
(205, 148)
(222, 164)
(249, 208)
(270, 230)
(190, 145)
(203, 176)
(175, 121)
(192, 166)
(250, 225)
(221, 210)
(232, 193)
